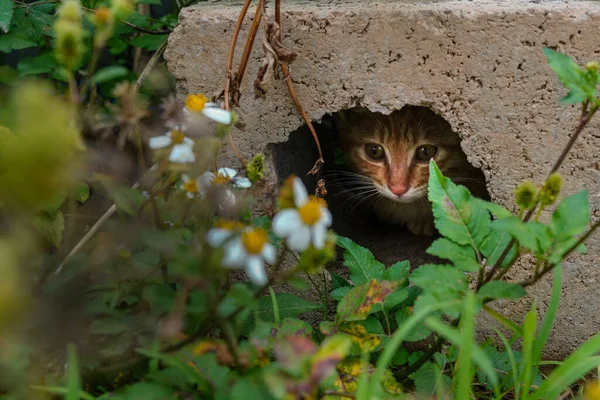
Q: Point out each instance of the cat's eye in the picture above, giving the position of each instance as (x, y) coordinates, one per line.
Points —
(374, 151)
(426, 153)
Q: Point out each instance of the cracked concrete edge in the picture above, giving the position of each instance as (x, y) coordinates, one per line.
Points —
(477, 63)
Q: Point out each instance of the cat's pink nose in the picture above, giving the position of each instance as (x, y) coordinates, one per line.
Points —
(398, 189)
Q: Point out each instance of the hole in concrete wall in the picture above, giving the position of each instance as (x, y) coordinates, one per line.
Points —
(353, 215)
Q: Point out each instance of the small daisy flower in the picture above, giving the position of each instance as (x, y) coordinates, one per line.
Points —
(190, 186)
(195, 103)
(306, 223)
(181, 150)
(224, 176)
(248, 250)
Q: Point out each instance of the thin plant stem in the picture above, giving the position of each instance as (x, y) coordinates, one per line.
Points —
(584, 119)
(249, 43)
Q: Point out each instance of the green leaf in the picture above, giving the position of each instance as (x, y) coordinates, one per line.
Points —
(6, 14)
(457, 216)
(41, 64)
(530, 235)
(502, 290)
(15, 41)
(357, 304)
(146, 391)
(339, 293)
(529, 328)
(149, 42)
(290, 306)
(360, 261)
(398, 272)
(493, 246)
(73, 375)
(434, 278)
(463, 257)
(110, 73)
(396, 298)
(419, 331)
(154, 2)
(429, 380)
(51, 227)
(338, 282)
(571, 76)
(250, 388)
(82, 192)
(497, 210)
(569, 221)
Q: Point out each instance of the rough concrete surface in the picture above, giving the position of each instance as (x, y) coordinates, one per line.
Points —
(478, 64)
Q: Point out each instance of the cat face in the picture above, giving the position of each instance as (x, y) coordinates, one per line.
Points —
(394, 151)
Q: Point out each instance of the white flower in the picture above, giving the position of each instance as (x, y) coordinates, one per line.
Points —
(306, 224)
(190, 186)
(181, 150)
(199, 103)
(248, 250)
(224, 176)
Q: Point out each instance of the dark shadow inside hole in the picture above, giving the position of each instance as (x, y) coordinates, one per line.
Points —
(351, 218)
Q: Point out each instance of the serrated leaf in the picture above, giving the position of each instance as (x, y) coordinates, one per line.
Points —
(429, 380)
(360, 261)
(398, 272)
(110, 73)
(337, 281)
(457, 216)
(530, 235)
(15, 41)
(495, 209)
(366, 341)
(493, 246)
(6, 14)
(501, 290)
(339, 293)
(419, 331)
(396, 298)
(293, 326)
(51, 227)
(569, 221)
(463, 257)
(357, 304)
(290, 306)
(581, 86)
(439, 278)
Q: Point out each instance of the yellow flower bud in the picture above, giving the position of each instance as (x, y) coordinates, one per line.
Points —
(122, 8)
(103, 16)
(526, 195)
(592, 66)
(256, 168)
(551, 189)
(68, 45)
(70, 10)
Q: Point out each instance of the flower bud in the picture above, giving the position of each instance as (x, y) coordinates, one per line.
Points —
(255, 169)
(69, 34)
(122, 8)
(526, 195)
(70, 11)
(102, 17)
(592, 66)
(551, 189)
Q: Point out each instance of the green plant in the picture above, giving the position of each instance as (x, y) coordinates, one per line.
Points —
(164, 312)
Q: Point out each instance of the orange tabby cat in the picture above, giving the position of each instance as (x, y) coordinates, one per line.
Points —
(389, 155)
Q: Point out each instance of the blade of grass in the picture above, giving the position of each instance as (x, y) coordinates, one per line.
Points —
(573, 368)
(275, 304)
(513, 363)
(477, 355)
(516, 329)
(73, 374)
(465, 372)
(529, 328)
(549, 318)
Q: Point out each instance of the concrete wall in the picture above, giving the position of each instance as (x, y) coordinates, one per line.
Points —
(479, 64)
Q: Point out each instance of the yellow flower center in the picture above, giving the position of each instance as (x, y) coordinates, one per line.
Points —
(177, 137)
(219, 179)
(310, 212)
(195, 102)
(190, 186)
(103, 15)
(228, 224)
(254, 240)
